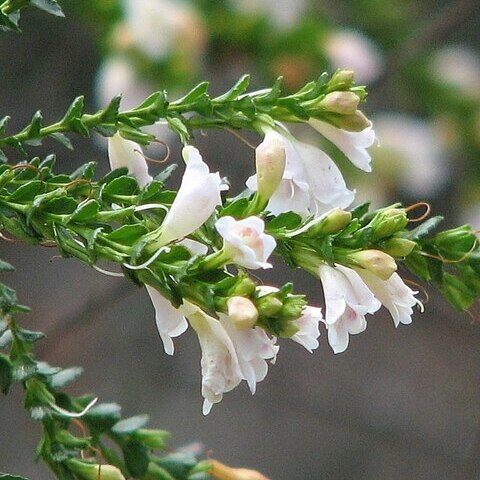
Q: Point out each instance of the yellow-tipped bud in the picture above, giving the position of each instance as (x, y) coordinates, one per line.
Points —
(379, 263)
(92, 471)
(344, 103)
(242, 312)
(270, 160)
(223, 472)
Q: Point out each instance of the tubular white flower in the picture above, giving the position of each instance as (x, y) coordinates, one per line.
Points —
(170, 322)
(196, 200)
(244, 241)
(347, 300)
(221, 371)
(253, 347)
(311, 183)
(395, 296)
(353, 144)
(308, 331)
(125, 153)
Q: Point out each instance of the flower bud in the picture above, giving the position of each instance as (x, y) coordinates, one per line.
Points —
(269, 305)
(92, 471)
(246, 286)
(355, 122)
(270, 164)
(242, 312)
(342, 79)
(388, 221)
(455, 242)
(223, 472)
(399, 247)
(333, 222)
(343, 103)
(379, 263)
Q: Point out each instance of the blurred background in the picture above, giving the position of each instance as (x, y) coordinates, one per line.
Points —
(400, 403)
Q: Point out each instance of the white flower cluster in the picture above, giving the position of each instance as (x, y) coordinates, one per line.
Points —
(291, 176)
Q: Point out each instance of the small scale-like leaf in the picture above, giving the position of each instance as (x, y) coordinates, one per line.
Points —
(86, 171)
(121, 186)
(62, 139)
(136, 458)
(128, 234)
(6, 376)
(50, 6)
(29, 336)
(5, 267)
(240, 87)
(85, 211)
(129, 425)
(103, 416)
(9, 476)
(26, 192)
(65, 376)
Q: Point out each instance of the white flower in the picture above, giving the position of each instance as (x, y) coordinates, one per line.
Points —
(196, 200)
(354, 50)
(347, 301)
(308, 331)
(170, 322)
(159, 26)
(352, 144)
(228, 355)
(311, 183)
(220, 365)
(244, 241)
(253, 347)
(399, 160)
(125, 153)
(394, 295)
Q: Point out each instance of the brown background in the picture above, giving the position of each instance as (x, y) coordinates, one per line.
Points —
(399, 404)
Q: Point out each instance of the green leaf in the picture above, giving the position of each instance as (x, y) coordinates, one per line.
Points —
(129, 425)
(177, 125)
(194, 94)
(177, 464)
(64, 377)
(166, 173)
(424, 229)
(128, 234)
(33, 130)
(75, 110)
(8, 476)
(5, 339)
(8, 298)
(3, 124)
(136, 458)
(284, 221)
(62, 139)
(6, 377)
(111, 112)
(118, 172)
(61, 205)
(6, 267)
(26, 192)
(103, 416)
(121, 186)
(239, 88)
(50, 6)
(85, 211)
(29, 336)
(86, 171)
(9, 22)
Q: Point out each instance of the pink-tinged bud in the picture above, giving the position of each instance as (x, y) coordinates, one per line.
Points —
(223, 472)
(379, 263)
(242, 312)
(343, 103)
(270, 163)
(92, 471)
